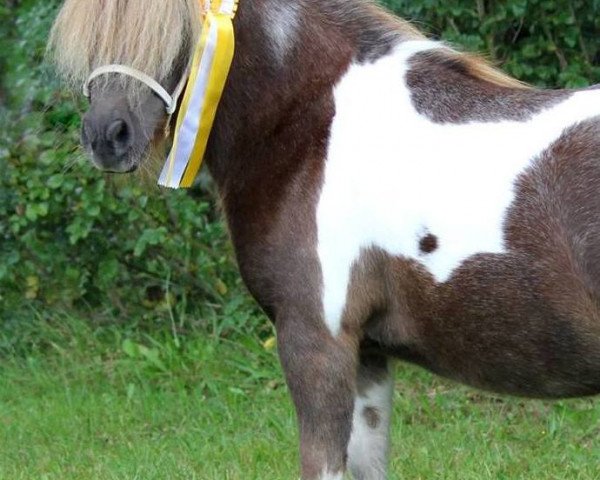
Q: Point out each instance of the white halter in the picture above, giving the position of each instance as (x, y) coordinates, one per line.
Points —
(170, 100)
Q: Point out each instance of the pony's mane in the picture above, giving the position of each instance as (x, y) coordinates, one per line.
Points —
(149, 35)
(483, 70)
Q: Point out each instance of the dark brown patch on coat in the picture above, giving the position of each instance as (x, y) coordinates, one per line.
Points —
(428, 244)
(374, 31)
(508, 323)
(494, 329)
(387, 296)
(444, 89)
(372, 417)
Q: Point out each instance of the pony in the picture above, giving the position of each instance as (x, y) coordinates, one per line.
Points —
(387, 196)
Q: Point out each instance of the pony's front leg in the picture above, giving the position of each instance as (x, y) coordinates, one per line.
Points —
(321, 374)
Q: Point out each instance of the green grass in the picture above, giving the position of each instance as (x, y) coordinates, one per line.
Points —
(85, 403)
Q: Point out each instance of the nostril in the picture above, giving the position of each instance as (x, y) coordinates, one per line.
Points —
(117, 132)
(118, 135)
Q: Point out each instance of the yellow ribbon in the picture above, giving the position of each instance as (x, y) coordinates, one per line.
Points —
(208, 75)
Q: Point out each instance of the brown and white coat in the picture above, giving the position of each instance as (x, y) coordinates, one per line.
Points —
(390, 197)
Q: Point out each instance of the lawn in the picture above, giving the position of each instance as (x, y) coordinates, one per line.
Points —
(98, 403)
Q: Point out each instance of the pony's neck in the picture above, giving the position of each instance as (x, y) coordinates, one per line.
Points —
(289, 55)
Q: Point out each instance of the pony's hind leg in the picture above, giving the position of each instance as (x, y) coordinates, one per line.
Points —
(369, 443)
(321, 374)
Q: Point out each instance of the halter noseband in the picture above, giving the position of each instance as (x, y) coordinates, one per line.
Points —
(170, 100)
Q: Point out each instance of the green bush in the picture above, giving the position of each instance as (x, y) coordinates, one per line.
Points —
(70, 238)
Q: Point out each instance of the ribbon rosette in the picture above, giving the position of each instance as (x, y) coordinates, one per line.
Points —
(208, 74)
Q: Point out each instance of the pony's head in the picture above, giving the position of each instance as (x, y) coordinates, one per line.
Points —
(126, 117)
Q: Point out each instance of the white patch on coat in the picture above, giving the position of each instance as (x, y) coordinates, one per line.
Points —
(392, 174)
(281, 27)
(368, 448)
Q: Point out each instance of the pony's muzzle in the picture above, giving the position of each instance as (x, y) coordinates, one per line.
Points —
(108, 135)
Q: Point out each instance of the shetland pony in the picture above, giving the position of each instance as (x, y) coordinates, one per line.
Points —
(387, 196)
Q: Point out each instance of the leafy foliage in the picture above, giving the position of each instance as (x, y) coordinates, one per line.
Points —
(72, 239)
